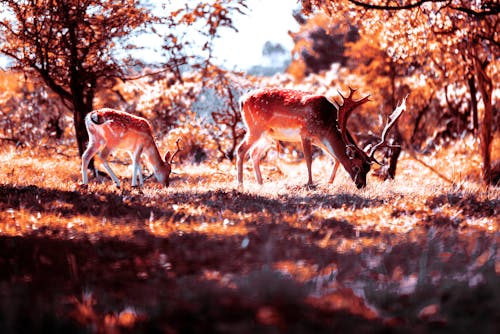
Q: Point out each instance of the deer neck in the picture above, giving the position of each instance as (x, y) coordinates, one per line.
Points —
(155, 160)
(334, 144)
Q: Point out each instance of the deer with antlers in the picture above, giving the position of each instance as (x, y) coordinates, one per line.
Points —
(296, 116)
(111, 129)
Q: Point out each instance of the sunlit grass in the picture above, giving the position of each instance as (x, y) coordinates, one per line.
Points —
(396, 206)
(350, 249)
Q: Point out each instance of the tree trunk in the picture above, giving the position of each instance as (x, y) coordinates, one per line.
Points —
(485, 87)
(82, 104)
(81, 132)
(390, 172)
(395, 152)
(473, 102)
(81, 109)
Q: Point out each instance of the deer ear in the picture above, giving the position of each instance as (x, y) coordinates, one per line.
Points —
(167, 156)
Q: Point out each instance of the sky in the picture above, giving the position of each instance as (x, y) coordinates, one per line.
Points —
(266, 20)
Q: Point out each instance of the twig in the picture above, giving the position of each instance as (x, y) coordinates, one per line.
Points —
(16, 141)
(414, 157)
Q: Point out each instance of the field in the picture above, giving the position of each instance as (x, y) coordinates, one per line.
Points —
(415, 255)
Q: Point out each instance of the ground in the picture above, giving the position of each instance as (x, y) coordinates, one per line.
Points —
(413, 255)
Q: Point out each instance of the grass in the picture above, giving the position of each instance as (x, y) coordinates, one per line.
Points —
(416, 254)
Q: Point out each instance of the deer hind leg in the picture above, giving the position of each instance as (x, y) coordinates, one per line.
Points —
(256, 154)
(334, 171)
(307, 149)
(247, 143)
(92, 149)
(103, 155)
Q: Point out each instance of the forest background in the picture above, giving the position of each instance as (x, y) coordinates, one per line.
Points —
(423, 244)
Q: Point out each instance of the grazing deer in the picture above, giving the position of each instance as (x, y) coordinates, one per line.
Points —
(111, 129)
(296, 116)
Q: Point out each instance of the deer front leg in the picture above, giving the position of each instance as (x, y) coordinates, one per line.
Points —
(136, 168)
(334, 171)
(307, 149)
(136, 173)
(103, 156)
(92, 149)
(139, 171)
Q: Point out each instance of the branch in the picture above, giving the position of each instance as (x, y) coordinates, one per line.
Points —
(432, 169)
(11, 55)
(489, 39)
(16, 141)
(493, 9)
(58, 89)
(148, 74)
(388, 7)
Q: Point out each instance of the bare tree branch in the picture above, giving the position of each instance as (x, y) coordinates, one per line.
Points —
(490, 9)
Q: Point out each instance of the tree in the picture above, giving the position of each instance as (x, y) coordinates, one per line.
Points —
(324, 40)
(190, 46)
(429, 33)
(319, 43)
(74, 46)
(275, 59)
(228, 117)
(80, 47)
(192, 29)
(384, 77)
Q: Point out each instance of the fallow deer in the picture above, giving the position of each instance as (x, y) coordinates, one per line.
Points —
(296, 116)
(111, 129)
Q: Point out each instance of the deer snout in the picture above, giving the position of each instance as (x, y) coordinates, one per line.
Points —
(166, 182)
(359, 180)
(360, 185)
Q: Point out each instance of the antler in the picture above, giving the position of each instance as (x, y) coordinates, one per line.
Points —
(343, 114)
(176, 151)
(390, 124)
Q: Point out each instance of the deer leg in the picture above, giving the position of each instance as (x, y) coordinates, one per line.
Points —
(103, 156)
(92, 149)
(334, 171)
(256, 155)
(240, 157)
(139, 171)
(136, 168)
(242, 150)
(136, 173)
(307, 149)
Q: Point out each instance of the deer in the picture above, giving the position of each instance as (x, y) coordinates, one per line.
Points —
(110, 130)
(277, 114)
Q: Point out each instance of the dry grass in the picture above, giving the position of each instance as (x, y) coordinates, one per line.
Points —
(203, 254)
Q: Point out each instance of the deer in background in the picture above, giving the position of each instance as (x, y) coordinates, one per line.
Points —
(296, 116)
(111, 129)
